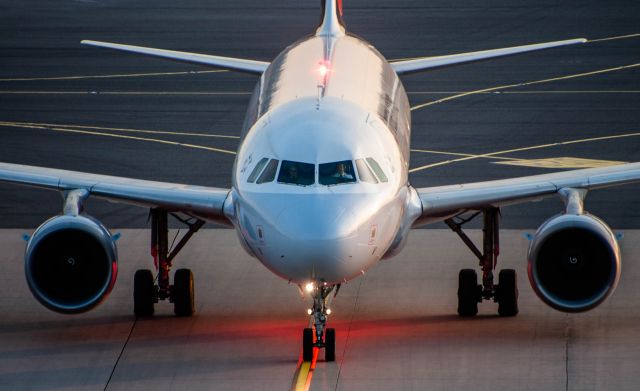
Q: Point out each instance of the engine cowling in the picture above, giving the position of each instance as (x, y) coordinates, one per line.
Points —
(71, 263)
(574, 262)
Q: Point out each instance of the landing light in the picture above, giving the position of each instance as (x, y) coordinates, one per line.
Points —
(309, 311)
(328, 311)
(309, 287)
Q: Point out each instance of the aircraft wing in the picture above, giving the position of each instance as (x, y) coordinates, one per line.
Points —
(426, 63)
(439, 203)
(230, 63)
(205, 202)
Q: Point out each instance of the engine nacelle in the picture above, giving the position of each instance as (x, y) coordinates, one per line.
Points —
(71, 263)
(574, 262)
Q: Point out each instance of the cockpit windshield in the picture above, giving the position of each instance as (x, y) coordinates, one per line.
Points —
(336, 173)
(297, 173)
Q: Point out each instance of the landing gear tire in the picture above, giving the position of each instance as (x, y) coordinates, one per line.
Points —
(330, 345)
(507, 293)
(144, 293)
(183, 293)
(307, 344)
(469, 293)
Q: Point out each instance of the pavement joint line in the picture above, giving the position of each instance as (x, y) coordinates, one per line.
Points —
(124, 346)
(346, 339)
(542, 146)
(47, 125)
(508, 86)
(111, 76)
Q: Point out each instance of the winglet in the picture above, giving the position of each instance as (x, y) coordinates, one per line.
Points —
(331, 23)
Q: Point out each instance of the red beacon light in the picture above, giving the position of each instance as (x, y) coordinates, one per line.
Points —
(324, 69)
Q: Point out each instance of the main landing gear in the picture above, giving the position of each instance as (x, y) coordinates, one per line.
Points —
(323, 337)
(470, 293)
(145, 291)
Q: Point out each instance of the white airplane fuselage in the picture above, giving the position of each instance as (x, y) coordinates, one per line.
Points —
(324, 99)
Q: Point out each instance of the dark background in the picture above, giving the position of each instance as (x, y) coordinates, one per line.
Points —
(40, 39)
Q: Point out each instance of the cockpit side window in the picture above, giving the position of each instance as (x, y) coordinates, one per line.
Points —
(377, 169)
(297, 173)
(269, 173)
(336, 173)
(257, 170)
(364, 172)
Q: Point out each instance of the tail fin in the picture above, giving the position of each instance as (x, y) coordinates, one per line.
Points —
(331, 23)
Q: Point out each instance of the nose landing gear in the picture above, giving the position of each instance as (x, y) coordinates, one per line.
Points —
(324, 337)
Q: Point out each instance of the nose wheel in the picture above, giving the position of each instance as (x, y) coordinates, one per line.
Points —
(319, 336)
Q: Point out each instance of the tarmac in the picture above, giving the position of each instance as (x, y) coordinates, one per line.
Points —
(72, 107)
(396, 328)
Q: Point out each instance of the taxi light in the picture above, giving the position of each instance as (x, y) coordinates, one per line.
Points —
(328, 311)
(309, 287)
(309, 312)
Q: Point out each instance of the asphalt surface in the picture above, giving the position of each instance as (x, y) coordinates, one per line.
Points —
(396, 325)
(40, 41)
(396, 328)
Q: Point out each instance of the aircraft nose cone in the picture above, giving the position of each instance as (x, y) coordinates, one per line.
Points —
(320, 241)
(317, 222)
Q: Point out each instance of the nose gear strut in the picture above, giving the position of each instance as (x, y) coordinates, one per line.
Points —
(324, 337)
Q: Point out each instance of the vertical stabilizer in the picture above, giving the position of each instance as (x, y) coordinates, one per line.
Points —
(331, 23)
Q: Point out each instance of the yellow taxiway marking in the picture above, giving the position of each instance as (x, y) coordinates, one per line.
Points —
(153, 140)
(495, 154)
(304, 373)
(461, 154)
(588, 41)
(206, 93)
(614, 38)
(34, 125)
(111, 76)
(561, 162)
(529, 83)
(527, 92)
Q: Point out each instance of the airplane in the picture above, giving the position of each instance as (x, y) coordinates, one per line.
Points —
(320, 193)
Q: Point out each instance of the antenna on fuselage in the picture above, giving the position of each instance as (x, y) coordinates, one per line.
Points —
(331, 23)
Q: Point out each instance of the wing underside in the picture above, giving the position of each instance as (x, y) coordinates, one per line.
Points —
(439, 203)
(203, 202)
(230, 63)
(426, 63)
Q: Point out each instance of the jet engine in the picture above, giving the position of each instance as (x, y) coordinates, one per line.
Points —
(70, 263)
(574, 262)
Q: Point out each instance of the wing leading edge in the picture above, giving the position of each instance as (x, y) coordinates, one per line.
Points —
(204, 202)
(426, 63)
(230, 63)
(439, 203)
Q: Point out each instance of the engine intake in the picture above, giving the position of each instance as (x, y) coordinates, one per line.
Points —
(70, 263)
(574, 262)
